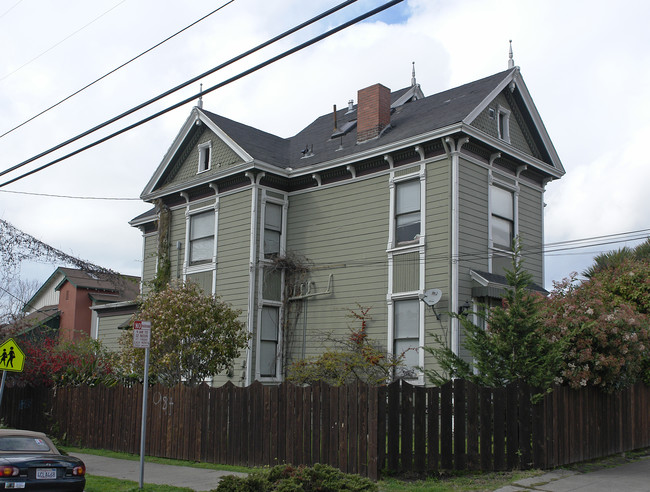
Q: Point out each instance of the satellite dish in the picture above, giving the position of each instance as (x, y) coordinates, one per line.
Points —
(431, 296)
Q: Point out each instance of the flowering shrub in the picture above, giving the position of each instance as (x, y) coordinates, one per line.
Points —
(604, 324)
(193, 335)
(350, 359)
(50, 363)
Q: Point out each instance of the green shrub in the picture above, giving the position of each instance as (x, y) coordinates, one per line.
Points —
(288, 478)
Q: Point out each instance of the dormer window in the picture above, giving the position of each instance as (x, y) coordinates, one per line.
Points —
(503, 124)
(205, 154)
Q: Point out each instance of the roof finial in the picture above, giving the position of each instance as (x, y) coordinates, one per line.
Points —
(200, 103)
(511, 61)
(413, 83)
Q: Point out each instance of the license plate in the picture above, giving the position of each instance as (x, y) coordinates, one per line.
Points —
(45, 473)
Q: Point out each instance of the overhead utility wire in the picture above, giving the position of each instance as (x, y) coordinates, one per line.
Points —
(177, 88)
(10, 9)
(63, 40)
(207, 91)
(49, 195)
(117, 68)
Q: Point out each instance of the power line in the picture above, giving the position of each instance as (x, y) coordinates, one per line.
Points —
(10, 9)
(117, 68)
(70, 196)
(62, 41)
(175, 89)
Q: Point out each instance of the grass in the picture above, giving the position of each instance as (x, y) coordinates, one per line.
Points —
(95, 483)
(456, 481)
(478, 481)
(152, 459)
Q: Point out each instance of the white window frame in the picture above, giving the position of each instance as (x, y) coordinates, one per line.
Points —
(276, 229)
(266, 303)
(392, 329)
(493, 215)
(205, 148)
(210, 264)
(394, 183)
(503, 124)
(278, 342)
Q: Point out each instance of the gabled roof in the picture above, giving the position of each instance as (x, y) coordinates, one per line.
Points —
(414, 118)
(123, 287)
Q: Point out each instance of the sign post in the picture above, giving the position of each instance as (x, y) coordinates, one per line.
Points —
(11, 359)
(142, 339)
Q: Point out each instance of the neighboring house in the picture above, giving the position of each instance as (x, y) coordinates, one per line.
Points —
(67, 299)
(372, 205)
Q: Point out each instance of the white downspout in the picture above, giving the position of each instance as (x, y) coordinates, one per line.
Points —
(255, 180)
(454, 153)
(215, 255)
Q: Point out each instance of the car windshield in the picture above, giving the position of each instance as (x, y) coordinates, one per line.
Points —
(23, 443)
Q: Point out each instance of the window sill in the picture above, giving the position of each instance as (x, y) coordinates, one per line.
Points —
(406, 245)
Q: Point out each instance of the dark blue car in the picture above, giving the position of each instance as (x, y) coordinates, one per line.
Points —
(30, 461)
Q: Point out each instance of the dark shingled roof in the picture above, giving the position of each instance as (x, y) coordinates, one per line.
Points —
(259, 144)
(426, 115)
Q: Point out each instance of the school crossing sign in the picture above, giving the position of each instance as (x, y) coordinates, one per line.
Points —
(11, 357)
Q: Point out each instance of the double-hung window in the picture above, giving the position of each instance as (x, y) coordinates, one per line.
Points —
(201, 237)
(272, 229)
(503, 218)
(269, 338)
(205, 151)
(407, 211)
(406, 338)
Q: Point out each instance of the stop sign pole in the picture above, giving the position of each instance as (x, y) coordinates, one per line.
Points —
(142, 339)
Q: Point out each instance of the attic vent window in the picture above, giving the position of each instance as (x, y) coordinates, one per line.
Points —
(205, 154)
(503, 124)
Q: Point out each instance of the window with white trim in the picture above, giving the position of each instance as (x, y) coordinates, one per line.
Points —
(201, 243)
(205, 154)
(269, 338)
(407, 211)
(406, 337)
(272, 229)
(503, 124)
(502, 222)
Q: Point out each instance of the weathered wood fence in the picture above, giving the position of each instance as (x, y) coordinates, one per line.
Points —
(356, 428)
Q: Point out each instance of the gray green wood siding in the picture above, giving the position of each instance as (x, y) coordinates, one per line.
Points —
(531, 231)
(221, 157)
(343, 231)
(438, 250)
(109, 333)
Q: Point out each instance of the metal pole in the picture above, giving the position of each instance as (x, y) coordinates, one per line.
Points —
(2, 386)
(143, 433)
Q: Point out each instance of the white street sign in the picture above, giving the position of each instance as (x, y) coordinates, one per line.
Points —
(141, 334)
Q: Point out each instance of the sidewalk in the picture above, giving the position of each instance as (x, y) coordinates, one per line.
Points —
(179, 476)
(628, 477)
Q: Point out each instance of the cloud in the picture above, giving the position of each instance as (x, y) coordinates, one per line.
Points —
(586, 64)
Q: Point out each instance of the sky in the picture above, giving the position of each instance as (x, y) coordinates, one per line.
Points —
(586, 64)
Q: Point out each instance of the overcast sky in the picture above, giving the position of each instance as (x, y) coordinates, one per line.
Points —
(586, 64)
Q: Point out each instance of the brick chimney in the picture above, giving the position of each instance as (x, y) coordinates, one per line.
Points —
(373, 111)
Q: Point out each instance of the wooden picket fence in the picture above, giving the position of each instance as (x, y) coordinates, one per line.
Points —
(356, 428)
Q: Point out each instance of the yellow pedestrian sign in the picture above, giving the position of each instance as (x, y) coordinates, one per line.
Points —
(11, 357)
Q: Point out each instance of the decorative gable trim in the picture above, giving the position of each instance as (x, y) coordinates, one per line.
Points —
(514, 81)
(196, 117)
